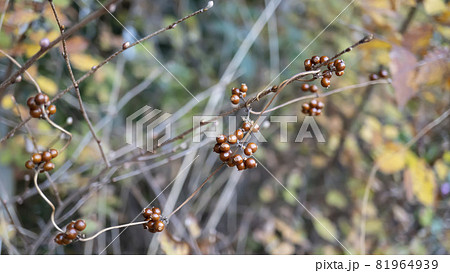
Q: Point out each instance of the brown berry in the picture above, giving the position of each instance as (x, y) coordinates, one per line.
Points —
(80, 225)
(246, 126)
(71, 234)
(147, 213)
(39, 99)
(230, 163)
(252, 146)
(36, 158)
(71, 225)
(46, 99)
(243, 95)
(318, 112)
(324, 59)
(126, 45)
(330, 66)
(305, 108)
(312, 112)
(234, 99)
(36, 113)
(239, 134)
(383, 73)
(65, 240)
(221, 139)
(315, 59)
(340, 66)
(320, 105)
(217, 148)
(53, 152)
(305, 87)
(157, 210)
(237, 159)
(235, 91)
(325, 82)
(240, 166)
(51, 109)
(308, 64)
(255, 128)
(339, 73)
(155, 217)
(313, 103)
(250, 163)
(373, 77)
(224, 147)
(232, 139)
(32, 104)
(151, 226)
(46, 156)
(327, 74)
(313, 88)
(244, 87)
(29, 164)
(248, 151)
(48, 166)
(159, 226)
(59, 238)
(225, 156)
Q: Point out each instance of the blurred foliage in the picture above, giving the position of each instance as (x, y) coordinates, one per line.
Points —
(408, 206)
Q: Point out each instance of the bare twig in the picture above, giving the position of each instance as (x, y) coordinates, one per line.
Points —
(110, 228)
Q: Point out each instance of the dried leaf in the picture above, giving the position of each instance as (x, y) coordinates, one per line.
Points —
(433, 7)
(423, 181)
(172, 247)
(324, 228)
(83, 62)
(47, 85)
(402, 67)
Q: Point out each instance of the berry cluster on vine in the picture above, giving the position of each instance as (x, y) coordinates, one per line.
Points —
(381, 74)
(43, 160)
(238, 93)
(72, 232)
(314, 108)
(35, 103)
(155, 220)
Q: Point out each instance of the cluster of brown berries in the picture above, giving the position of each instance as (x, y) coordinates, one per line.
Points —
(238, 93)
(338, 67)
(35, 103)
(314, 108)
(223, 148)
(42, 160)
(383, 74)
(71, 233)
(310, 87)
(155, 220)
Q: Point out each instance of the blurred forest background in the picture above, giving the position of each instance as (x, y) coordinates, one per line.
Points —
(369, 131)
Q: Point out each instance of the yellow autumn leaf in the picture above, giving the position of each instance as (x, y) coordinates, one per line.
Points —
(423, 180)
(441, 169)
(7, 102)
(325, 228)
(433, 7)
(31, 49)
(47, 85)
(392, 158)
(83, 62)
(172, 247)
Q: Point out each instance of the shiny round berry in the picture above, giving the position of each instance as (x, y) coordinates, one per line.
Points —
(221, 139)
(313, 103)
(248, 151)
(225, 156)
(234, 99)
(66, 241)
(312, 112)
(383, 73)
(252, 146)
(48, 166)
(155, 216)
(239, 134)
(46, 156)
(157, 210)
(244, 87)
(224, 147)
(318, 112)
(340, 66)
(32, 104)
(80, 225)
(325, 82)
(147, 213)
(53, 152)
(237, 159)
(36, 113)
(159, 226)
(232, 139)
(339, 73)
(151, 226)
(46, 99)
(59, 238)
(240, 166)
(71, 234)
(305, 108)
(71, 225)
(250, 163)
(313, 88)
(324, 59)
(308, 64)
(255, 128)
(39, 99)
(305, 87)
(243, 95)
(230, 163)
(217, 148)
(330, 66)
(51, 109)
(36, 158)
(235, 91)
(315, 59)
(327, 74)
(246, 126)
(320, 105)
(373, 77)
(29, 165)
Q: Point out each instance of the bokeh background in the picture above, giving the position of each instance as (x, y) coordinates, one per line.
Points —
(249, 212)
